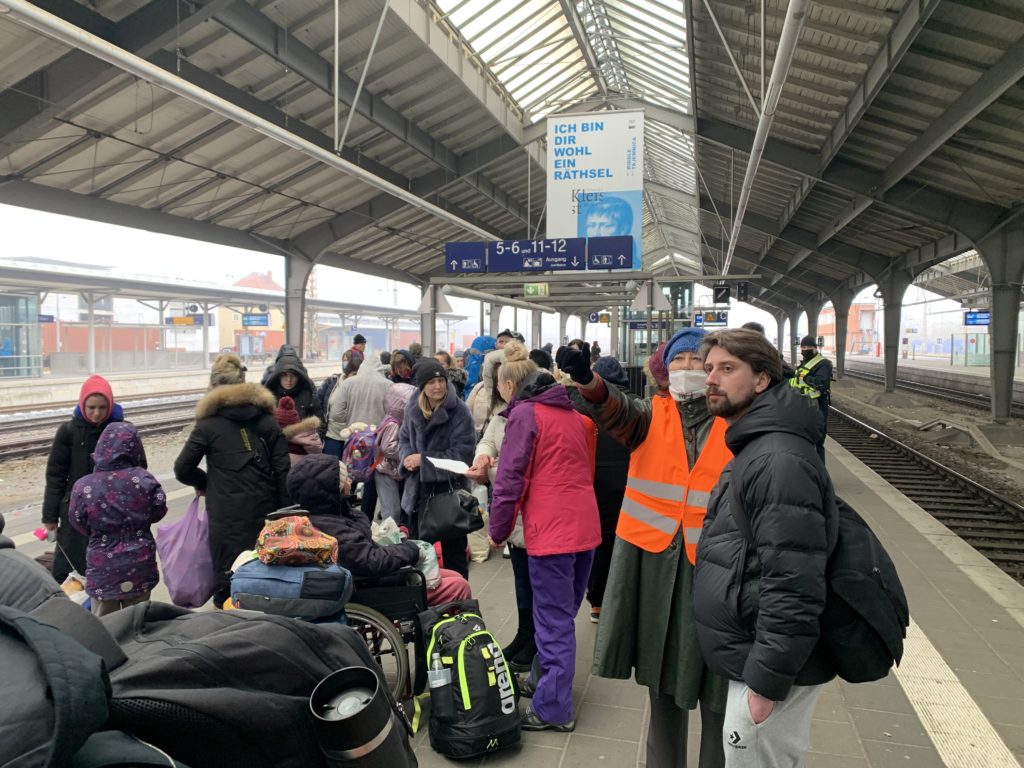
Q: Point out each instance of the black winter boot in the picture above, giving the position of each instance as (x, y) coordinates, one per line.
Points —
(523, 660)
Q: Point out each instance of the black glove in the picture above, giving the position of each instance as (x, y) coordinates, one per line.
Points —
(576, 363)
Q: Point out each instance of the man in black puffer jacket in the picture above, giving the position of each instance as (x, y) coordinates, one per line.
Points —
(757, 604)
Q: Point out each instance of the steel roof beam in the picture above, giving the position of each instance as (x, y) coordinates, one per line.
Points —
(919, 202)
(27, 108)
(583, 41)
(989, 87)
(262, 33)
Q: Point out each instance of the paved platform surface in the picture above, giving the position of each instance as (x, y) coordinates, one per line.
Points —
(934, 363)
(956, 701)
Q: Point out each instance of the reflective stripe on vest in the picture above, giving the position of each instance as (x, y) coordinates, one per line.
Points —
(797, 381)
(662, 493)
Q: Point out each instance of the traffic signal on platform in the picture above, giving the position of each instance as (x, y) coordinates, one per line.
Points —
(742, 291)
(722, 294)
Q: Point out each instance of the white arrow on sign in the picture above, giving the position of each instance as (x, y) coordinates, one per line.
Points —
(455, 264)
(622, 260)
(575, 262)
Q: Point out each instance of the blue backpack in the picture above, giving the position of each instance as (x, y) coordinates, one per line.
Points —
(308, 592)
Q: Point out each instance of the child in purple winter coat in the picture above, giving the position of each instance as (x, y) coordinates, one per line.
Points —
(387, 476)
(115, 507)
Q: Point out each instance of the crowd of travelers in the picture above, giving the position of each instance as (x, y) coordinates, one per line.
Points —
(593, 491)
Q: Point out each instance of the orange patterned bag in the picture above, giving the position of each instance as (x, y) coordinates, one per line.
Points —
(294, 540)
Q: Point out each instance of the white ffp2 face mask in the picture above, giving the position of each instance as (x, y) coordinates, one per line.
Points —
(686, 383)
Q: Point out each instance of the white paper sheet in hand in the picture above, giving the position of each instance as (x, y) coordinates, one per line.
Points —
(450, 465)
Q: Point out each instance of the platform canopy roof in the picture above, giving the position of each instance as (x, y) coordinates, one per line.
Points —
(894, 143)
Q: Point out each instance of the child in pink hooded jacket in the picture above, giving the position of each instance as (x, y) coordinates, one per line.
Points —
(387, 475)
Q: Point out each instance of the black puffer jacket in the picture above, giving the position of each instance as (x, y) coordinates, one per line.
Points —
(307, 402)
(314, 484)
(757, 611)
(247, 466)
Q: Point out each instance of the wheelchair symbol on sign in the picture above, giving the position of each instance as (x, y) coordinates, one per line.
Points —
(601, 261)
(471, 263)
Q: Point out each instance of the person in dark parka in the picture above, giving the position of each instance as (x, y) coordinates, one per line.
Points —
(71, 459)
(247, 463)
(757, 608)
(289, 377)
(319, 484)
(611, 469)
(437, 424)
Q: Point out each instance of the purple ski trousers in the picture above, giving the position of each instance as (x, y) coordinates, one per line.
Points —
(559, 583)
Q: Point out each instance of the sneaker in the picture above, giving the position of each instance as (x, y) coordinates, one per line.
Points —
(595, 614)
(531, 722)
(527, 687)
(506, 553)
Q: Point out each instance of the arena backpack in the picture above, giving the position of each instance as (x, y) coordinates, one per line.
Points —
(360, 455)
(866, 614)
(483, 716)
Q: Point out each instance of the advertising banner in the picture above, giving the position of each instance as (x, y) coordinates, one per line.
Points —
(596, 177)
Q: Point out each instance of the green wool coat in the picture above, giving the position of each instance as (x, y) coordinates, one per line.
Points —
(647, 626)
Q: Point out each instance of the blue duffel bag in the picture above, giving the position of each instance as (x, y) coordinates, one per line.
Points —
(307, 592)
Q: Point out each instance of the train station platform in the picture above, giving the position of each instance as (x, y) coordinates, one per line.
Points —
(941, 364)
(42, 393)
(956, 701)
(937, 372)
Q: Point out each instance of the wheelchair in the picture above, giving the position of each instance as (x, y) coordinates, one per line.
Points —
(385, 610)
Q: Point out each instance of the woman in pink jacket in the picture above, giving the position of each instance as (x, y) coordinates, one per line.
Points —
(546, 474)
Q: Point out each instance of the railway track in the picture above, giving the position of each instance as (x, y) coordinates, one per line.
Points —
(33, 436)
(968, 399)
(990, 522)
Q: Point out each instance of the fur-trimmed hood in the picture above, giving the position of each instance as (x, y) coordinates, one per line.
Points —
(235, 396)
(309, 424)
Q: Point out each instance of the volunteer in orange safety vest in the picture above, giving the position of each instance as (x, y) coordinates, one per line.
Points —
(646, 625)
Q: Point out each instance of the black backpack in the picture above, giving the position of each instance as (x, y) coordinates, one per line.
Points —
(866, 614)
(217, 689)
(486, 701)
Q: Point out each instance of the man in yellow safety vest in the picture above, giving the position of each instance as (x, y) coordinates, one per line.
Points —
(813, 377)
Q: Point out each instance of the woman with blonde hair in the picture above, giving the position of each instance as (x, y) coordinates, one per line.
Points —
(437, 424)
(546, 474)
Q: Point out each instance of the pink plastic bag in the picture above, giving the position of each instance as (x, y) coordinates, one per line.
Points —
(184, 550)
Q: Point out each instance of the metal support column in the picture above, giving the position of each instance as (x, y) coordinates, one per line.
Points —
(563, 319)
(206, 335)
(428, 320)
(614, 346)
(1004, 255)
(841, 306)
(535, 327)
(793, 342)
(893, 288)
(650, 318)
(481, 318)
(813, 310)
(91, 316)
(583, 327)
(297, 270)
(780, 323)
(495, 327)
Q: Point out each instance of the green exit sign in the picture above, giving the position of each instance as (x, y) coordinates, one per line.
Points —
(538, 290)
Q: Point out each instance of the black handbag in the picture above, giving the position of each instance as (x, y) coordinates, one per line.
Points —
(448, 514)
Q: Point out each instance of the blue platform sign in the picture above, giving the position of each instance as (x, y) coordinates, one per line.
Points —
(611, 253)
(46, 319)
(977, 317)
(465, 257)
(256, 320)
(555, 255)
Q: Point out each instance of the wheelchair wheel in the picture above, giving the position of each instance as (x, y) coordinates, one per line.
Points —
(385, 643)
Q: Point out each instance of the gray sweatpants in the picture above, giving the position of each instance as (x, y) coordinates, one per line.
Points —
(781, 741)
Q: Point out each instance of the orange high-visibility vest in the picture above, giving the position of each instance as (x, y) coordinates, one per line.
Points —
(662, 493)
